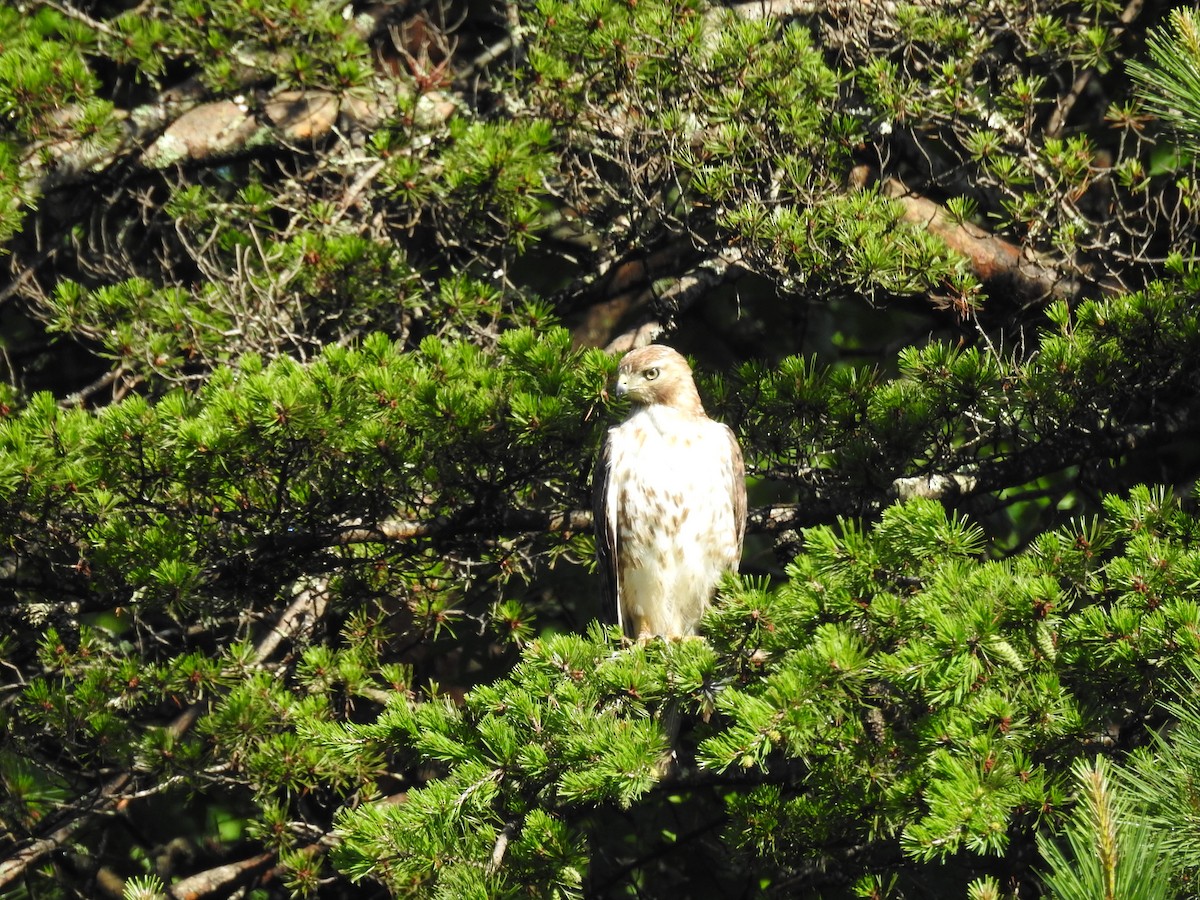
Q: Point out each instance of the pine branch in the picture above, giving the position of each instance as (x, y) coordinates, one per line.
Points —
(1171, 84)
(822, 503)
(106, 798)
(102, 802)
(1108, 853)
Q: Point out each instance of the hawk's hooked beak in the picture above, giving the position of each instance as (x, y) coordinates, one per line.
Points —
(622, 386)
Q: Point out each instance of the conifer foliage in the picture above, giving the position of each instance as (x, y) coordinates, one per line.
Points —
(308, 312)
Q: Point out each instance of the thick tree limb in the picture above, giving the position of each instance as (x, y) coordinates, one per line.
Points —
(180, 127)
(178, 130)
(765, 9)
(221, 879)
(994, 260)
(635, 285)
(641, 336)
(623, 286)
(72, 162)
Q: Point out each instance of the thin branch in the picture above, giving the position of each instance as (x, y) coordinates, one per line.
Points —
(108, 378)
(934, 486)
(104, 800)
(80, 16)
(1058, 118)
(301, 614)
(511, 521)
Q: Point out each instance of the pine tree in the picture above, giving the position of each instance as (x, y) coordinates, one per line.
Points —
(310, 312)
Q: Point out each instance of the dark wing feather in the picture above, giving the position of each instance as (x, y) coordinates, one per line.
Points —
(737, 490)
(606, 538)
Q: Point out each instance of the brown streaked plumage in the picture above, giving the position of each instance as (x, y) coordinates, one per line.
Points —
(669, 499)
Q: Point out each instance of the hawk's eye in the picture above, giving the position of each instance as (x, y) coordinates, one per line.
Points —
(651, 374)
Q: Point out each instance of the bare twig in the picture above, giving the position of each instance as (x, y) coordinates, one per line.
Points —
(26, 273)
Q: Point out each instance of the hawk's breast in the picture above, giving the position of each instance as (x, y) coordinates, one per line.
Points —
(671, 509)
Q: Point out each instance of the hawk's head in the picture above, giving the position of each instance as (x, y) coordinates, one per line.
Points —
(657, 374)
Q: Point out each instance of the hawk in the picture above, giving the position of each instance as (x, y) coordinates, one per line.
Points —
(669, 500)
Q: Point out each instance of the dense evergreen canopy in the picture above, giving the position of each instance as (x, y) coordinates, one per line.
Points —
(308, 311)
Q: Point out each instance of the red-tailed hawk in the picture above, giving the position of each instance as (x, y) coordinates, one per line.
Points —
(669, 501)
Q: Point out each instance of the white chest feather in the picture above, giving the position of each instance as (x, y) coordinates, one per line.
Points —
(671, 507)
